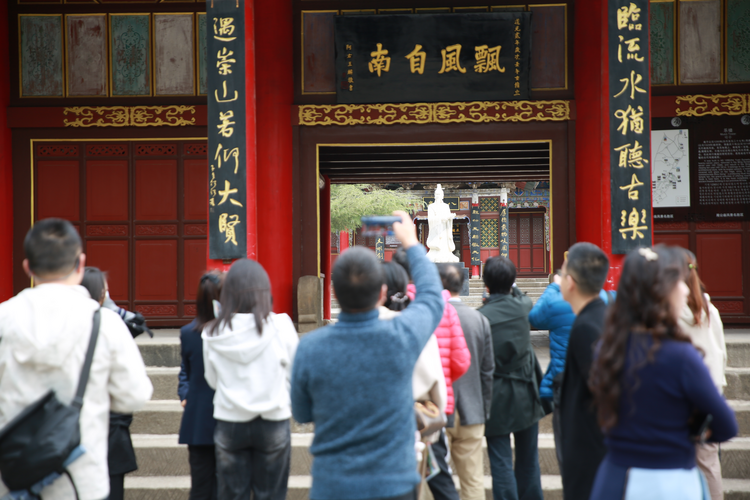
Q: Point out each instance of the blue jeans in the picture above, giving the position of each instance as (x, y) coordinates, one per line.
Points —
(253, 457)
(525, 483)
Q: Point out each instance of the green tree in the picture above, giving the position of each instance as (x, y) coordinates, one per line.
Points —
(350, 202)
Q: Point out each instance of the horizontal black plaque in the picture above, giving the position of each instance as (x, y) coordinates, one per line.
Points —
(433, 57)
(451, 202)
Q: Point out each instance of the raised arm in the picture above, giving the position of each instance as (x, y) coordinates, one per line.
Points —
(541, 314)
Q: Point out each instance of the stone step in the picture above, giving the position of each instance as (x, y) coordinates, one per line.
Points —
(164, 417)
(738, 348)
(162, 350)
(738, 383)
(164, 380)
(178, 488)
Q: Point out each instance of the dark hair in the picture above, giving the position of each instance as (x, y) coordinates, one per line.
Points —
(588, 265)
(209, 289)
(696, 299)
(499, 274)
(400, 258)
(246, 290)
(52, 246)
(452, 277)
(357, 277)
(93, 281)
(396, 280)
(635, 325)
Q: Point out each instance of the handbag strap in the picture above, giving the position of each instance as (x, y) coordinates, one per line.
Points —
(84, 379)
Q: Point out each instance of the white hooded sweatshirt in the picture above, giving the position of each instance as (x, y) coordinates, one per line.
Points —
(709, 337)
(44, 335)
(251, 373)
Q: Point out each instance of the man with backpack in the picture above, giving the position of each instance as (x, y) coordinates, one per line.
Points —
(45, 332)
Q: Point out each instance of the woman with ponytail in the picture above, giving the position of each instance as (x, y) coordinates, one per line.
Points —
(198, 424)
(652, 391)
(701, 322)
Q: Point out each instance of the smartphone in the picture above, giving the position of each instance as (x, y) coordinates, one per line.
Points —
(379, 225)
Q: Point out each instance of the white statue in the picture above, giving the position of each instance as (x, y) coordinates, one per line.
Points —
(440, 239)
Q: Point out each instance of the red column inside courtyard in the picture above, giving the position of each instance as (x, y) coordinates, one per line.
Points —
(592, 157)
(274, 92)
(6, 166)
(325, 245)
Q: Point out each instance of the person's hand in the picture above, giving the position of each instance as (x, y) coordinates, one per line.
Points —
(405, 230)
(557, 279)
(183, 402)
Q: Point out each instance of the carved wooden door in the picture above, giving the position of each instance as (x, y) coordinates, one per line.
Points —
(140, 207)
(527, 243)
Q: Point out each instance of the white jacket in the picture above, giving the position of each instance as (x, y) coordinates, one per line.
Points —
(251, 373)
(428, 379)
(709, 337)
(44, 335)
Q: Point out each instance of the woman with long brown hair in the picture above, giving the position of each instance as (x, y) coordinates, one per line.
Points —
(701, 322)
(248, 353)
(652, 391)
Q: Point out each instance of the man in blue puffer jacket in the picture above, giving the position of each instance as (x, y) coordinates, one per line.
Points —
(551, 312)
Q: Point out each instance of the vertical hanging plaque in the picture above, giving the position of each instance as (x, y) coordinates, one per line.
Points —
(476, 238)
(502, 232)
(380, 246)
(227, 182)
(629, 124)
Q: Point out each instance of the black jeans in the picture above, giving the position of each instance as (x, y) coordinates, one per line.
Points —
(116, 487)
(253, 457)
(442, 485)
(202, 472)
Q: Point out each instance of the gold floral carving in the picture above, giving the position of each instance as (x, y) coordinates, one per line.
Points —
(129, 116)
(719, 104)
(440, 112)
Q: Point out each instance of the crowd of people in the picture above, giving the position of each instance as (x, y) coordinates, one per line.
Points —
(407, 382)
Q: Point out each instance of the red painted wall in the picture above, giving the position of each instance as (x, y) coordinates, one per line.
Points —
(6, 175)
(591, 68)
(275, 92)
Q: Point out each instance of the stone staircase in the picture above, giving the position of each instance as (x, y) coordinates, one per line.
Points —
(534, 287)
(164, 473)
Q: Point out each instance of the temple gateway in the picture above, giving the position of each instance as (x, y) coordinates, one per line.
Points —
(178, 136)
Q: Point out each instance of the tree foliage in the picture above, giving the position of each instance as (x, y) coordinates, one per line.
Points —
(351, 202)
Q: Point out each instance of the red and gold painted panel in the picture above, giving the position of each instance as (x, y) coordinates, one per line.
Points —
(151, 239)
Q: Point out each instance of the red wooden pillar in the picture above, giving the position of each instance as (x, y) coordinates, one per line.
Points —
(325, 245)
(6, 166)
(591, 69)
(274, 88)
(343, 241)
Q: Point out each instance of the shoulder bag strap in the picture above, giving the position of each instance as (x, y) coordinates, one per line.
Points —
(84, 379)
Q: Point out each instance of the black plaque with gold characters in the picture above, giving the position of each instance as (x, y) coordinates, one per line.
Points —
(476, 236)
(227, 187)
(433, 57)
(629, 125)
(503, 231)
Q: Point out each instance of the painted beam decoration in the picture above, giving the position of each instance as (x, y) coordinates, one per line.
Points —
(433, 57)
(227, 178)
(629, 125)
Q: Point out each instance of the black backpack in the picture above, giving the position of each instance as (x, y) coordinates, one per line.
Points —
(37, 446)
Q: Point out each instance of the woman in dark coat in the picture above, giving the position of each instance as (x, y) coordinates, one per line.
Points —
(197, 428)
